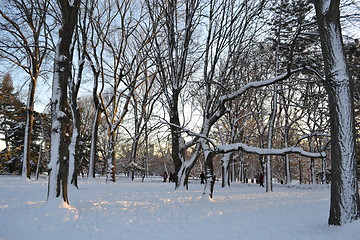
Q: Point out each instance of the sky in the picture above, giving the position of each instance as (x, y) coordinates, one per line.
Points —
(153, 210)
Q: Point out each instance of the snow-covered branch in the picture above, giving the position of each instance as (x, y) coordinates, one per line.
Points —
(264, 151)
(259, 84)
(314, 134)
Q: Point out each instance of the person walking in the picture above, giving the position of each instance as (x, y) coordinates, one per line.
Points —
(261, 180)
(202, 178)
(165, 176)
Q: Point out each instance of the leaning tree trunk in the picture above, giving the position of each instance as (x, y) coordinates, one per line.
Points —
(59, 155)
(344, 203)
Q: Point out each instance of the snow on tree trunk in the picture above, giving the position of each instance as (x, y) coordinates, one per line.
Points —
(209, 173)
(28, 129)
(287, 170)
(323, 169)
(59, 151)
(186, 167)
(344, 203)
(59, 165)
(225, 169)
(72, 154)
(40, 150)
(286, 157)
(111, 161)
(241, 166)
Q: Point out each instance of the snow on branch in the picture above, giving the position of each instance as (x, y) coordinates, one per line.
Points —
(259, 84)
(248, 149)
(314, 134)
(264, 151)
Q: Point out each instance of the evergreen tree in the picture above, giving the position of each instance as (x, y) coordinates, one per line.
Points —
(12, 123)
(12, 126)
(352, 49)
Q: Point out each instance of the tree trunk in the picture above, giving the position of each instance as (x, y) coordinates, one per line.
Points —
(59, 155)
(175, 136)
(241, 167)
(209, 173)
(40, 149)
(225, 162)
(287, 158)
(111, 164)
(323, 168)
(268, 175)
(93, 147)
(28, 129)
(344, 203)
(74, 156)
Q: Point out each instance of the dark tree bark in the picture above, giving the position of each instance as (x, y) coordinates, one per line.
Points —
(344, 205)
(59, 156)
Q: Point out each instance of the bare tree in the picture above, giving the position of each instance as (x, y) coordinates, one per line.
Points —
(231, 28)
(60, 132)
(344, 203)
(25, 44)
(175, 57)
(120, 37)
(144, 99)
(95, 54)
(79, 47)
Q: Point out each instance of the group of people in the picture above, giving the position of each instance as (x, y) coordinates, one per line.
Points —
(260, 179)
(172, 177)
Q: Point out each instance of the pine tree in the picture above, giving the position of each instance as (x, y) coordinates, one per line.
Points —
(12, 123)
(352, 49)
(12, 126)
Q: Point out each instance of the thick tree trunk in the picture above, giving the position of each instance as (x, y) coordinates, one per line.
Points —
(175, 136)
(225, 168)
(344, 203)
(187, 166)
(59, 155)
(209, 173)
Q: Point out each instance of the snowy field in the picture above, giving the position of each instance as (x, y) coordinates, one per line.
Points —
(153, 210)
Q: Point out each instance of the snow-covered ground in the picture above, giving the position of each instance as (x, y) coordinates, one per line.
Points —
(153, 210)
